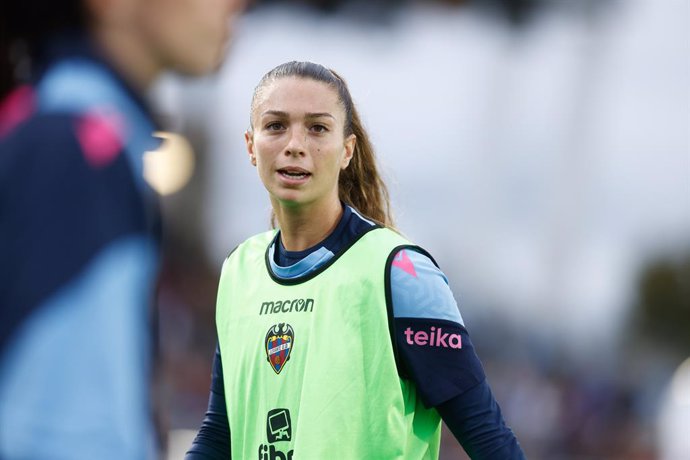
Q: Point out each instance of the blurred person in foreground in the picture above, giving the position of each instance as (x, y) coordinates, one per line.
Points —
(79, 227)
(338, 338)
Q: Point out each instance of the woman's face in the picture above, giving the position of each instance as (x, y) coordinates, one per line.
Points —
(298, 143)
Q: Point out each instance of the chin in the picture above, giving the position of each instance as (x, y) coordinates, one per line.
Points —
(200, 65)
(289, 200)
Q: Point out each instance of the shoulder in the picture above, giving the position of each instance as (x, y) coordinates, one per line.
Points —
(383, 240)
(254, 246)
(53, 142)
(71, 159)
(67, 172)
(419, 289)
(259, 241)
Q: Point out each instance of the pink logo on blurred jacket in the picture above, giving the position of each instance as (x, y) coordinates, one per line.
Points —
(100, 135)
(16, 108)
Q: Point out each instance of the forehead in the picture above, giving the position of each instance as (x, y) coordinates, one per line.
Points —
(297, 95)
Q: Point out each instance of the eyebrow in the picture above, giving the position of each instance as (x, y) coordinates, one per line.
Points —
(280, 113)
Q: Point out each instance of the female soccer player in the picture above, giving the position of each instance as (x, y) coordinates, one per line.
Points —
(338, 338)
(79, 225)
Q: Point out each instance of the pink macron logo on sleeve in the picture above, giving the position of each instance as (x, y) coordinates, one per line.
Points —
(403, 262)
(434, 338)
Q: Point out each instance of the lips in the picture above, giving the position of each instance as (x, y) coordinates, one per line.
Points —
(294, 173)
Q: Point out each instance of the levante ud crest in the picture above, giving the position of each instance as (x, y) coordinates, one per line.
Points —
(279, 341)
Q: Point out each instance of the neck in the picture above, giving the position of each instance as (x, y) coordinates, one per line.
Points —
(302, 227)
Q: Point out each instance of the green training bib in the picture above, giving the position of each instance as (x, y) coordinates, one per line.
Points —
(308, 364)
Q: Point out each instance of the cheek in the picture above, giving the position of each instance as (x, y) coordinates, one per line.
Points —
(261, 168)
(335, 154)
(329, 162)
(263, 154)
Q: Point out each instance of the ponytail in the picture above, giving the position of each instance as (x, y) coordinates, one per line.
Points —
(360, 184)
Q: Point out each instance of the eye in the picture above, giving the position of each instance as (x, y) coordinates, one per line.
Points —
(274, 126)
(319, 128)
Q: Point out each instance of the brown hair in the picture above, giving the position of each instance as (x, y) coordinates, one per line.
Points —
(360, 184)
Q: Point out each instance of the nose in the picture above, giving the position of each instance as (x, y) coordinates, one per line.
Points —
(296, 145)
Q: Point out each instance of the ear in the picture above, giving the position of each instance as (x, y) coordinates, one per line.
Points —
(350, 142)
(249, 140)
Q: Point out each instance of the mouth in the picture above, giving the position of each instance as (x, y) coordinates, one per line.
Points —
(293, 173)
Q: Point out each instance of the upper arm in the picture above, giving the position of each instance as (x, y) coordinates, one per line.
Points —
(433, 346)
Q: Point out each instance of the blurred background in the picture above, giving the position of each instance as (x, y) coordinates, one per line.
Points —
(539, 149)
